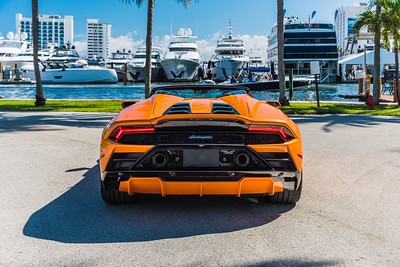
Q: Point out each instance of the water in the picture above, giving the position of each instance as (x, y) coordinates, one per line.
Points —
(330, 92)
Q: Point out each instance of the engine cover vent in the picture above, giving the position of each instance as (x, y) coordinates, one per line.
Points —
(179, 108)
(222, 108)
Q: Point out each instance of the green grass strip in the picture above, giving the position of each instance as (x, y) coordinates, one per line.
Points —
(300, 108)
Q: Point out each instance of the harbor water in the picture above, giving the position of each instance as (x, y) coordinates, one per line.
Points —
(134, 91)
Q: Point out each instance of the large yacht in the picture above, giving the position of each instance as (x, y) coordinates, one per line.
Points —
(10, 48)
(136, 67)
(65, 66)
(229, 58)
(305, 42)
(182, 61)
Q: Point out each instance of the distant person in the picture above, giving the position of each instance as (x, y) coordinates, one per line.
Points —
(200, 73)
(232, 79)
(209, 75)
(240, 78)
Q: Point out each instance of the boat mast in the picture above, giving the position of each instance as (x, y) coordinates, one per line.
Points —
(230, 29)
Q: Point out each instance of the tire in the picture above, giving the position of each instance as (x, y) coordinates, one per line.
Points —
(288, 196)
(112, 196)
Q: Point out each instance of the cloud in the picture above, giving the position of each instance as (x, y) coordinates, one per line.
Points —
(119, 43)
(81, 48)
(125, 42)
(255, 45)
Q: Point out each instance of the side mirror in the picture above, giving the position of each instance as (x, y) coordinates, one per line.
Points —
(126, 104)
(274, 103)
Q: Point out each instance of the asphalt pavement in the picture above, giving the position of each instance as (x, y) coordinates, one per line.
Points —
(52, 213)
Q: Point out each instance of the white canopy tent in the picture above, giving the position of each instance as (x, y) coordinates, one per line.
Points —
(387, 58)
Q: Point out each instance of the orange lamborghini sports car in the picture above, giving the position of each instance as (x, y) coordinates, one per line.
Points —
(201, 140)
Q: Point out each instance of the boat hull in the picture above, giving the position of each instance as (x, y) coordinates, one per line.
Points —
(226, 67)
(180, 69)
(273, 84)
(75, 76)
(138, 73)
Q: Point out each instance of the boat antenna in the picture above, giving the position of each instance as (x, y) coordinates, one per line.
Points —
(230, 29)
(170, 30)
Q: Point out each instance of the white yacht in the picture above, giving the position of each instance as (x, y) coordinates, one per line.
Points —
(65, 66)
(305, 42)
(136, 67)
(182, 61)
(25, 60)
(10, 49)
(229, 58)
(117, 61)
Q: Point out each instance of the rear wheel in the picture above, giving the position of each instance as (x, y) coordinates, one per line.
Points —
(288, 196)
(112, 196)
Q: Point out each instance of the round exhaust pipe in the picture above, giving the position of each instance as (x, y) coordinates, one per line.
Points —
(241, 159)
(159, 159)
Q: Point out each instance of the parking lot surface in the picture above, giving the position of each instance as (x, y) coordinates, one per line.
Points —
(52, 213)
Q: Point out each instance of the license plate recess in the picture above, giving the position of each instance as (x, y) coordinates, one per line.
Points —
(200, 158)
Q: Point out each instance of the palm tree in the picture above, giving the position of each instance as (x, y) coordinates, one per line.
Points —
(281, 70)
(149, 38)
(377, 54)
(40, 100)
(391, 29)
(373, 21)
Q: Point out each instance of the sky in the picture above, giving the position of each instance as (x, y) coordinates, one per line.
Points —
(208, 19)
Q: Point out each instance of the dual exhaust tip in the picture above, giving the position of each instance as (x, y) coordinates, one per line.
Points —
(241, 159)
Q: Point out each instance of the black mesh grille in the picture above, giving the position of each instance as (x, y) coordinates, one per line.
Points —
(253, 139)
(280, 161)
(203, 137)
(179, 108)
(221, 108)
(139, 139)
(123, 161)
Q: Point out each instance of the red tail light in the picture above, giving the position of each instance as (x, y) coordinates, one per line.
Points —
(120, 131)
(281, 130)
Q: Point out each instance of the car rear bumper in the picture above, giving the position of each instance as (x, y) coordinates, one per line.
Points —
(269, 184)
(247, 185)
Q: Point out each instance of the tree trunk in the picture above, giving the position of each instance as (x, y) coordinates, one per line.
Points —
(281, 70)
(40, 100)
(149, 43)
(377, 54)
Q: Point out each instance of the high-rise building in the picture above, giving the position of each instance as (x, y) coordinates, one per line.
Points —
(98, 39)
(53, 29)
(345, 17)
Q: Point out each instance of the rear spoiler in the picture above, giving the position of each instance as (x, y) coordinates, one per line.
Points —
(274, 103)
(128, 103)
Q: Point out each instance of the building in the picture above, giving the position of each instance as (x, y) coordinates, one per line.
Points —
(98, 39)
(53, 29)
(348, 42)
(305, 42)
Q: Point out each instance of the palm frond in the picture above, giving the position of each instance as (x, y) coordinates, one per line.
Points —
(130, 2)
(186, 3)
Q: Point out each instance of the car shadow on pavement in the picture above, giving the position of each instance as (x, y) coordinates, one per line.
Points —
(80, 216)
(31, 121)
(331, 120)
